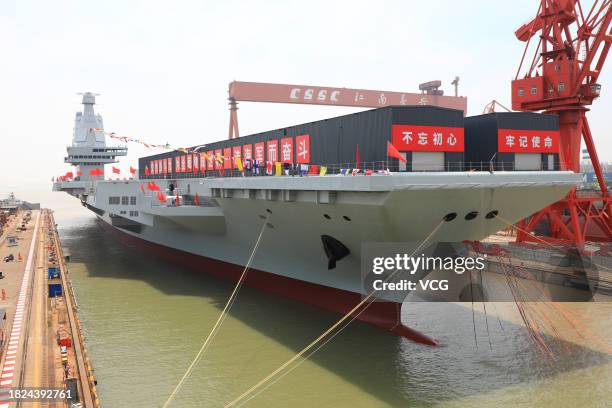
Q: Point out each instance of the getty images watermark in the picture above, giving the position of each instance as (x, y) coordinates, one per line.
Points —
(452, 272)
(402, 264)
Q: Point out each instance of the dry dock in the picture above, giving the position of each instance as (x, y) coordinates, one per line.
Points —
(44, 361)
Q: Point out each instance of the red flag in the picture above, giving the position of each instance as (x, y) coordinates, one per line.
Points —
(68, 175)
(142, 188)
(132, 170)
(368, 172)
(116, 170)
(153, 186)
(178, 199)
(161, 197)
(147, 172)
(79, 173)
(358, 157)
(393, 152)
(197, 200)
(95, 172)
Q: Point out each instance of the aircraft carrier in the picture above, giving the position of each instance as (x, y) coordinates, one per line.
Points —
(321, 190)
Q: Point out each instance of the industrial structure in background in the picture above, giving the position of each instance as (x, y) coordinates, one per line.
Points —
(572, 46)
(561, 79)
(321, 95)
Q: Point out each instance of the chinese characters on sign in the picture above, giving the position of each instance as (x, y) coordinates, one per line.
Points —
(302, 146)
(248, 152)
(427, 138)
(259, 152)
(286, 150)
(527, 141)
(291, 149)
(272, 150)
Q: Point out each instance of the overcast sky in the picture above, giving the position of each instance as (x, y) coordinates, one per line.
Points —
(162, 68)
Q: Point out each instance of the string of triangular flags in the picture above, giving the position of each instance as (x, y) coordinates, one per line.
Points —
(127, 139)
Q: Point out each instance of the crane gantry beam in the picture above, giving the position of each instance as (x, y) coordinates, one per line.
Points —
(334, 96)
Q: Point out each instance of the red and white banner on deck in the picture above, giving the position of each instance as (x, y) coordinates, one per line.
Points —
(413, 138)
(527, 141)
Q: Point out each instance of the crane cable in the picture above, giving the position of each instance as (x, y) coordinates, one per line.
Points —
(324, 334)
(219, 322)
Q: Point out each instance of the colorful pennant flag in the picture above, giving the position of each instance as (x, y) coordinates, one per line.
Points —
(279, 168)
(323, 171)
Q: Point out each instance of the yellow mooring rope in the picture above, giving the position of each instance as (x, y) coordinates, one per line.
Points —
(222, 316)
(323, 335)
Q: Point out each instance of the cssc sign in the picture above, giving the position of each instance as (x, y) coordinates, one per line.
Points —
(315, 94)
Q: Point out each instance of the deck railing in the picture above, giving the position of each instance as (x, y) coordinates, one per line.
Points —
(351, 168)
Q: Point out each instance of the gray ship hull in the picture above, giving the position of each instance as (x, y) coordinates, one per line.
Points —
(222, 230)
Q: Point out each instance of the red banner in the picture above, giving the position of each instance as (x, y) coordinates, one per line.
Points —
(195, 163)
(227, 158)
(413, 138)
(286, 150)
(237, 154)
(218, 153)
(260, 153)
(210, 163)
(272, 150)
(302, 147)
(527, 141)
(203, 162)
(169, 160)
(188, 161)
(248, 151)
(177, 166)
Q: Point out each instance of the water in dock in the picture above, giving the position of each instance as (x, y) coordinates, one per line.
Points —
(145, 320)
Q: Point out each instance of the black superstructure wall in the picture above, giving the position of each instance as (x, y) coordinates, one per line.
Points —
(334, 141)
(481, 137)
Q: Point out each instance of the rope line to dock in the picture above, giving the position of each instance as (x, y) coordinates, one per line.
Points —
(320, 337)
(219, 322)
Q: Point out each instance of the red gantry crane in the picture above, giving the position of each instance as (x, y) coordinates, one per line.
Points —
(321, 95)
(561, 79)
